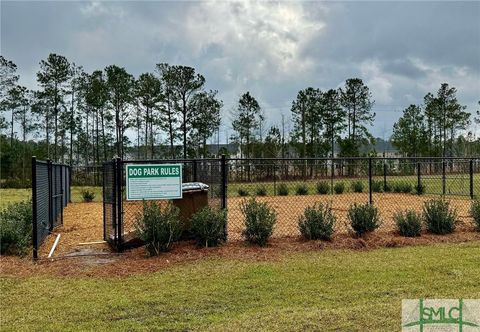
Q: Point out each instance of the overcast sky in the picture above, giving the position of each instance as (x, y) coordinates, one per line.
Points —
(402, 50)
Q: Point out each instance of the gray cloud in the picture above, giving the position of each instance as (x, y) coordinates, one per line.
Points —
(402, 50)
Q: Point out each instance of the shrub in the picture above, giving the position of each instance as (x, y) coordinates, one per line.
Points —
(420, 189)
(282, 189)
(339, 187)
(397, 187)
(407, 188)
(15, 182)
(323, 188)
(88, 196)
(439, 217)
(242, 192)
(363, 218)
(402, 187)
(409, 223)
(475, 210)
(208, 226)
(260, 219)
(261, 191)
(317, 222)
(302, 189)
(158, 226)
(387, 188)
(16, 228)
(357, 186)
(377, 186)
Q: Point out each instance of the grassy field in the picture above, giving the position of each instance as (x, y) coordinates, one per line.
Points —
(319, 290)
(455, 185)
(8, 196)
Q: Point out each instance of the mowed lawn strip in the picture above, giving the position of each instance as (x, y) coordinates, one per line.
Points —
(456, 184)
(323, 290)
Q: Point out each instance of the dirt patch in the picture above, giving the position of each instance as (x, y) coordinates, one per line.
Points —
(82, 222)
(289, 209)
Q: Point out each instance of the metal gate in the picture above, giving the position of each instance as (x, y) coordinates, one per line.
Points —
(50, 194)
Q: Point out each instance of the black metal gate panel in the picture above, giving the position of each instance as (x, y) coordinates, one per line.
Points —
(50, 194)
(110, 224)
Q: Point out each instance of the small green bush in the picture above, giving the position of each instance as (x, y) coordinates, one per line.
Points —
(397, 187)
(339, 187)
(302, 189)
(261, 191)
(158, 226)
(420, 189)
(363, 218)
(208, 226)
(475, 210)
(88, 196)
(387, 188)
(317, 222)
(407, 188)
(323, 188)
(409, 223)
(260, 219)
(402, 187)
(16, 228)
(282, 189)
(242, 192)
(357, 186)
(377, 186)
(439, 217)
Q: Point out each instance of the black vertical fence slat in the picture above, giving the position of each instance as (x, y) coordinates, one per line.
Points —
(50, 195)
(119, 184)
(34, 208)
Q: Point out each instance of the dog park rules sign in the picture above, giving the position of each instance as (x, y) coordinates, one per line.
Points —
(154, 181)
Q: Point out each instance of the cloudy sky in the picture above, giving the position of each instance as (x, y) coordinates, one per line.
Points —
(402, 50)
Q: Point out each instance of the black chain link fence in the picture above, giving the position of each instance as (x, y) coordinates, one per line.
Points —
(390, 184)
(289, 186)
(50, 194)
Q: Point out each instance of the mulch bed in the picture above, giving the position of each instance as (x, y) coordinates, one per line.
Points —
(186, 252)
(83, 223)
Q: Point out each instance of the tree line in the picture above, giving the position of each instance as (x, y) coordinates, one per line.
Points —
(83, 118)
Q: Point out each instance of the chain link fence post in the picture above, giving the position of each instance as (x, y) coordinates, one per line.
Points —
(471, 179)
(224, 174)
(444, 177)
(119, 175)
(419, 180)
(370, 197)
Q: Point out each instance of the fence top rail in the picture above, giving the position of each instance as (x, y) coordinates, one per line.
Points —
(356, 158)
(41, 161)
(164, 161)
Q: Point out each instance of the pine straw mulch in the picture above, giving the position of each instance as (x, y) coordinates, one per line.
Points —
(83, 223)
(135, 261)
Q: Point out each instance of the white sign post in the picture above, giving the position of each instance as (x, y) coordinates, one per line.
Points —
(153, 181)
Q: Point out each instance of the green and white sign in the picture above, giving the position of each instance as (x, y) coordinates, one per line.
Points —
(154, 181)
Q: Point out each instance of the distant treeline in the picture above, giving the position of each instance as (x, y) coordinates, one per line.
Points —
(81, 118)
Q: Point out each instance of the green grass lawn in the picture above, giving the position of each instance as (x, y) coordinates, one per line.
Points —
(320, 290)
(455, 185)
(8, 196)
